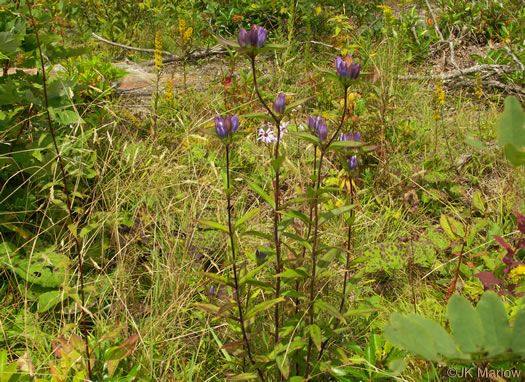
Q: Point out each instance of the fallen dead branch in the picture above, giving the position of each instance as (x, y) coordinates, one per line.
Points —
(194, 55)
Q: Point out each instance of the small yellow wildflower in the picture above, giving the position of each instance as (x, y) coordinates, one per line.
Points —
(283, 10)
(187, 35)
(158, 51)
(517, 275)
(131, 117)
(169, 91)
(254, 6)
(318, 10)
(479, 86)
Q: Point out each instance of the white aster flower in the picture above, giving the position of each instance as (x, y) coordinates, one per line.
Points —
(266, 136)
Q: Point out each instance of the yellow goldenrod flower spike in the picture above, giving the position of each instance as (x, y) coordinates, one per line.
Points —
(182, 27)
(158, 51)
(187, 35)
(439, 99)
(169, 91)
(479, 86)
(517, 275)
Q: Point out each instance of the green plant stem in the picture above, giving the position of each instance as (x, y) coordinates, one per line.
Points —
(276, 211)
(316, 233)
(235, 274)
(66, 189)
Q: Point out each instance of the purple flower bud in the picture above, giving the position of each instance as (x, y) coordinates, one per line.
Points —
(313, 123)
(235, 123)
(261, 255)
(357, 136)
(211, 291)
(278, 106)
(322, 130)
(243, 37)
(352, 162)
(220, 127)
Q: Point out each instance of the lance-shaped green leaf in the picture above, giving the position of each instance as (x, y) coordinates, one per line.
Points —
(217, 278)
(247, 216)
(494, 321)
(315, 333)
(298, 215)
(250, 274)
(283, 363)
(262, 307)
(263, 116)
(242, 377)
(260, 234)
(297, 274)
(210, 308)
(307, 137)
(298, 239)
(214, 225)
(254, 186)
(292, 106)
(330, 309)
(466, 324)
(515, 156)
(343, 145)
(334, 213)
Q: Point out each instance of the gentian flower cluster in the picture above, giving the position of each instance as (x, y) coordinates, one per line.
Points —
(254, 38)
(226, 126)
(346, 68)
(355, 137)
(318, 126)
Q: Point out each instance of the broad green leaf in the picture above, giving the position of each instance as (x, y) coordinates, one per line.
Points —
(443, 342)
(445, 224)
(494, 321)
(515, 157)
(254, 186)
(9, 42)
(339, 145)
(518, 333)
(465, 324)
(334, 213)
(315, 333)
(214, 225)
(247, 216)
(407, 333)
(277, 163)
(262, 307)
(510, 124)
(48, 300)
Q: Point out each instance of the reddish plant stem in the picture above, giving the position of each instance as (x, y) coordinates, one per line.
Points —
(452, 286)
(66, 189)
(316, 233)
(235, 274)
(276, 210)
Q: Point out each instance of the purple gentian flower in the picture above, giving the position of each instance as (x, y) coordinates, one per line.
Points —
(347, 68)
(356, 137)
(352, 162)
(211, 291)
(220, 128)
(254, 38)
(279, 104)
(226, 126)
(313, 123)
